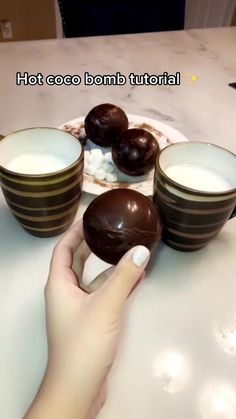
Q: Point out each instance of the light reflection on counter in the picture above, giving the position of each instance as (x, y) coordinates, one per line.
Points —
(172, 370)
(225, 334)
(218, 401)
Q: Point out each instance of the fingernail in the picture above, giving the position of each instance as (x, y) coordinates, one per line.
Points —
(140, 256)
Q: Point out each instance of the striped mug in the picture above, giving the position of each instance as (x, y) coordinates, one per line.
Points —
(195, 191)
(41, 173)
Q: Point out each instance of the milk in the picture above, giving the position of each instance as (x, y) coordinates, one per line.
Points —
(35, 164)
(198, 177)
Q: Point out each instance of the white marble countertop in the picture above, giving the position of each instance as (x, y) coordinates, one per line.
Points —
(177, 360)
(204, 110)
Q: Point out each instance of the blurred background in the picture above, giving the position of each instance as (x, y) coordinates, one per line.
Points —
(22, 20)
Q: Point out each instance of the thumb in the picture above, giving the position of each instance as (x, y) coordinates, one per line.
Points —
(125, 276)
(98, 281)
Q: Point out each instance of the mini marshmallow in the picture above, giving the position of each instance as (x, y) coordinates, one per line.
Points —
(96, 152)
(97, 161)
(108, 157)
(108, 167)
(100, 174)
(88, 158)
(90, 169)
(111, 177)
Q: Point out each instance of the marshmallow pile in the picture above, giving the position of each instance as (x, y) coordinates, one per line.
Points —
(100, 165)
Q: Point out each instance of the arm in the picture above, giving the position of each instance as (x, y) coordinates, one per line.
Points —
(82, 329)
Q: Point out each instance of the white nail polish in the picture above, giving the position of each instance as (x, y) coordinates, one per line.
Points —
(140, 256)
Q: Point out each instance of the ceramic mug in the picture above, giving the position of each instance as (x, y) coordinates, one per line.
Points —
(195, 191)
(41, 174)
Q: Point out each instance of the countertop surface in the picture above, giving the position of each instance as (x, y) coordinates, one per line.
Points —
(203, 110)
(177, 358)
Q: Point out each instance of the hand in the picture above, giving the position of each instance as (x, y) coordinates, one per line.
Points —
(82, 328)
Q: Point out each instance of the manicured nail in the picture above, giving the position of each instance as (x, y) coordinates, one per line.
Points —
(141, 255)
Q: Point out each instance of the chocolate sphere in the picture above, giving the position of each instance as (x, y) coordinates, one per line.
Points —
(136, 151)
(105, 123)
(118, 220)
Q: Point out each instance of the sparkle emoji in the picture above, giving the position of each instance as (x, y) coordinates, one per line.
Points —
(191, 78)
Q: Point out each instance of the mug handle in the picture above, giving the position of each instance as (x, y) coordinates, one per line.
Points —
(233, 213)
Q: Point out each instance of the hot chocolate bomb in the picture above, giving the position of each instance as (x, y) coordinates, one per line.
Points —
(105, 123)
(136, 151)
(118, 220)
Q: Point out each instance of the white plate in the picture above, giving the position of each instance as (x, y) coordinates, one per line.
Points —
(164, 134)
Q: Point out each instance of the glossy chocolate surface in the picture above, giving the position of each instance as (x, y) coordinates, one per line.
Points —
(105, 123)
(118, 220)
(136, 151)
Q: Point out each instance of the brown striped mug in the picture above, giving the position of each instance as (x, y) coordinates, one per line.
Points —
(41, 174)
(195, 191)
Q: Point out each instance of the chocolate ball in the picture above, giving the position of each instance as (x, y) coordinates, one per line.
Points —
(136, 151)
(118, 220)
(105, 123)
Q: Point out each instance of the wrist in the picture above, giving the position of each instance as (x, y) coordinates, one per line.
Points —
(57, 400)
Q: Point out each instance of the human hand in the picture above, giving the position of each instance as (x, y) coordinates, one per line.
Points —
(82, 328)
